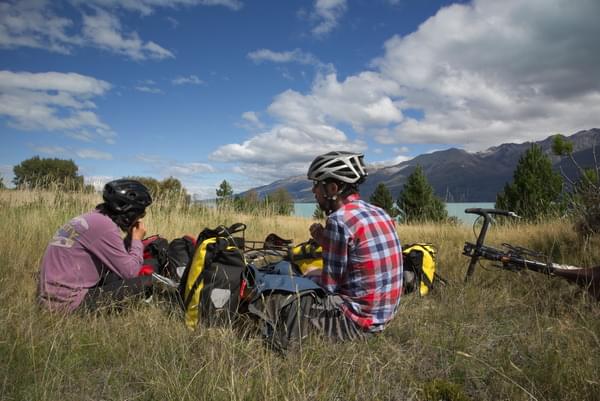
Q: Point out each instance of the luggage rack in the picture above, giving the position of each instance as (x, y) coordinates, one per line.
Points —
(263, 253)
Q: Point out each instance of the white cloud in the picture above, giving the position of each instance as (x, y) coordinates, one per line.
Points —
(392, 162)
(31, 23)
(147, 7)
(93, 154)
(401, 156)
(148, 89)
(251, 120)
(480, 74)
(34, 23)
(290, 56)
(53, 81)
(174, 22)
(362, 100)
(296, 56)
(489, 72)
(54, 101)
(191, 80)
(65, 152)
(327, 14)
(283, 150)
(189, 169)
(98, 181)
(104, 31)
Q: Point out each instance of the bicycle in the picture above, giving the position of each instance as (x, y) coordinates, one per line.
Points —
(517, 258)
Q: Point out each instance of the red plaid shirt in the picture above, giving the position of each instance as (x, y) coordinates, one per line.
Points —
(362, 262)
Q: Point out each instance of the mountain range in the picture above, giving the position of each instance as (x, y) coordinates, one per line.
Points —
(455, 174)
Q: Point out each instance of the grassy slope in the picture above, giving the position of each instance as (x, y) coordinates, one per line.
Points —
(504, 337)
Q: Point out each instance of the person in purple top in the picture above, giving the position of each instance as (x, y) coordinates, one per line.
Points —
(87, 264)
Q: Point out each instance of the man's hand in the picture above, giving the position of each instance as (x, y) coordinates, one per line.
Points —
(316, 231)
(138, 230)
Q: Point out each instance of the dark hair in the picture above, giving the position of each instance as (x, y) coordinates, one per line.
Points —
(123, 220)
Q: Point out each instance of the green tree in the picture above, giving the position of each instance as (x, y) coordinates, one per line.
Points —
(152, 184)
(248, 203)
(382, 197)
(171, 184)
(224, 193)
(46, 173)
(280, 201)
(584, 190)
(536, 189)
(418, 202)
(173, 190)
(170, 189)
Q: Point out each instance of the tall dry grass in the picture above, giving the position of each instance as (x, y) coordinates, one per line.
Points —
(504, 336)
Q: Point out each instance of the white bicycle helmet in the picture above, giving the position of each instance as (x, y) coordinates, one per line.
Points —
(342, 166)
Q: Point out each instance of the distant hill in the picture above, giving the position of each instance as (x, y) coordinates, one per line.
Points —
(457, 175)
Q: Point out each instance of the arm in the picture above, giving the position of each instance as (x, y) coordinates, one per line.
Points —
(335, 256)
(110, 249)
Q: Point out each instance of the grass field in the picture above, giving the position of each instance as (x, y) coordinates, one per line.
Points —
(504, 336)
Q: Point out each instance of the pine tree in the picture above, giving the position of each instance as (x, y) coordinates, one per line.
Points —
(583, 191)
(536, 189)
(382, 197)
(224, 192)
(418, 202)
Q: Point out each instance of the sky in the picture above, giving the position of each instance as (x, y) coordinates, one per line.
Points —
(250, 91)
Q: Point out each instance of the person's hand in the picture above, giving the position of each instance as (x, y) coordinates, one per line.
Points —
(138, 230)
(316, 231)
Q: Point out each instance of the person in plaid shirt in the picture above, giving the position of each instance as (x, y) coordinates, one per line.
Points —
(362, 259)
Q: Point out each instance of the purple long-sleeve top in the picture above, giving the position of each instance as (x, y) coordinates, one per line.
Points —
(77, 254)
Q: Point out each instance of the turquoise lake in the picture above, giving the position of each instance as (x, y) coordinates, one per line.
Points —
(454, 209)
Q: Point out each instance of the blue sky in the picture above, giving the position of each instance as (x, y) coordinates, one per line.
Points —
(250, 91)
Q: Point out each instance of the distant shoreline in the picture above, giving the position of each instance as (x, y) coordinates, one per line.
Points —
(455, 209)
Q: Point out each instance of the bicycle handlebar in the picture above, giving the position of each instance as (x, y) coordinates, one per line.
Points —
(475, 251)
(486, 212)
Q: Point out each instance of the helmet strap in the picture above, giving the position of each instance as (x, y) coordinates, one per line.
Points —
(331, 200)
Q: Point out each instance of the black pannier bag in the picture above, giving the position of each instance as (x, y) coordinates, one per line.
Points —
(210, 286)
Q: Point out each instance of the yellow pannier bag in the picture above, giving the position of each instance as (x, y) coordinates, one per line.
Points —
(308, 256)
(420, 258)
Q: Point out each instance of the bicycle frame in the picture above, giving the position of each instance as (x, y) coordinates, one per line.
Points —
(517, 258)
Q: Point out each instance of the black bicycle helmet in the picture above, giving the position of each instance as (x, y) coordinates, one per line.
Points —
(345, 167)
(123, 196)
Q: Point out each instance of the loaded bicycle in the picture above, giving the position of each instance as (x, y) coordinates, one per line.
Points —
(517, 258)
